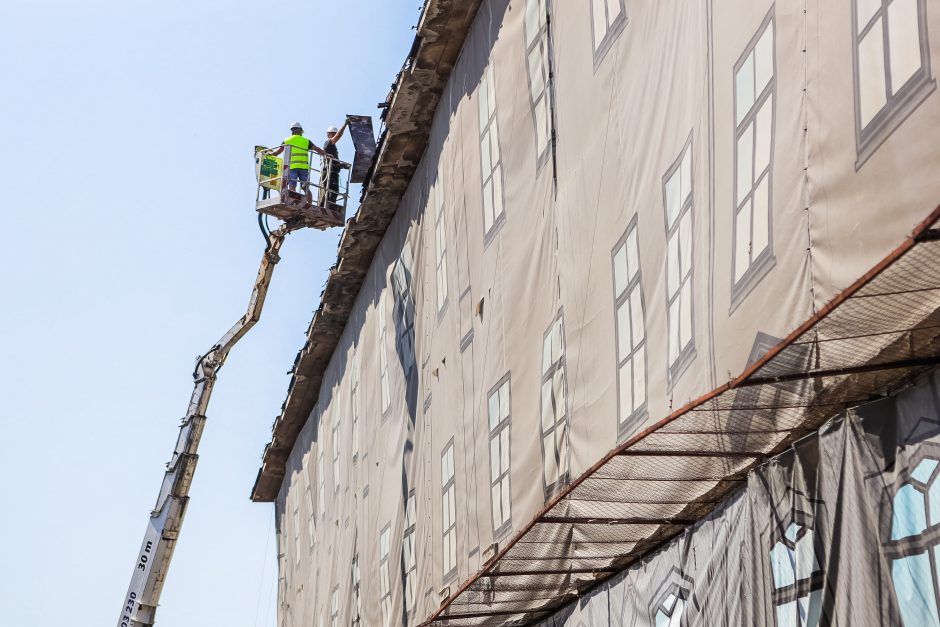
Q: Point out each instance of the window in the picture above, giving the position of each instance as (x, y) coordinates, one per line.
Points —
(554, 410)
(321, 486)
(336, 446)
(491, 166)
(354, 403)
(383, 354)
(677, 195)
(440, 238)
(912, 547)
(449, 512)
(296, 524)
(892, 67)
(356, 617)
(404, 310)
(280, 522)
(754, 84)
(797, 577)
(311, 517)
(498, 411)
(669, 602)
(607, 18)
(408, 562)
(334, 607)
(631, 331)
(670, 610)
(385, 584)
(540, 76)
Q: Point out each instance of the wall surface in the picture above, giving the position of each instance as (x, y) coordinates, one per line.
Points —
(720, 171)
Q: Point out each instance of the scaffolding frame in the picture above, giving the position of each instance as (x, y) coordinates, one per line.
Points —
(870, 340)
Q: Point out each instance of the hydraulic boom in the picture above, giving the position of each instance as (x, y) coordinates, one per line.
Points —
(163, 529)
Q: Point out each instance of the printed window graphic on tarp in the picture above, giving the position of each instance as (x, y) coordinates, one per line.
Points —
(843, 529)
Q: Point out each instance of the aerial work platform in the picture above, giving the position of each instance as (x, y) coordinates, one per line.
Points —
(291, 205)
(318, 202)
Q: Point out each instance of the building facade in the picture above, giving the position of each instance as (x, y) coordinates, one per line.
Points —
(618, 207)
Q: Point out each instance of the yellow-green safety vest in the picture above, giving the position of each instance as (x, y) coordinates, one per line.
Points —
(299, 157)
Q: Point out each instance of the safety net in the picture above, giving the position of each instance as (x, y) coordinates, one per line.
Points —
(871, 339)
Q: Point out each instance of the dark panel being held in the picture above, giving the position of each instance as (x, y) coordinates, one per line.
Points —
(363, 138)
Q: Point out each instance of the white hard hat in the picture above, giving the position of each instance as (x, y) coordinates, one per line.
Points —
(332, 129)
(297, 126)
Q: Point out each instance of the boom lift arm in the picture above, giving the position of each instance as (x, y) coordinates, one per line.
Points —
(156, 551)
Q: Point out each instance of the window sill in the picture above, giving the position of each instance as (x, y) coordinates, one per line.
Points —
(558, 486)
(466, 340)
(442, 310)
(628, 427)
(495, 228)
(608, 42)
(503, 532)
(683, 361)
(765, 262)
(894, 114)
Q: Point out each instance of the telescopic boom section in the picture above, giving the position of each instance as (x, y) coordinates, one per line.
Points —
(153, 560)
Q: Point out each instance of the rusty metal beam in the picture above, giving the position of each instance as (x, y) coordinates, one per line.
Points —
(574, 520)
(486, 614)
(693, 453)
(552, 571)
(919, 362)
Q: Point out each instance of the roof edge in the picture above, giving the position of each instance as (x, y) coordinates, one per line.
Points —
(408, 115)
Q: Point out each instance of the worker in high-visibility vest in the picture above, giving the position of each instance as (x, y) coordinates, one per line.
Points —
(298, 175)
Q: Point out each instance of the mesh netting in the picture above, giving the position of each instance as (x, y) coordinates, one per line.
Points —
(874, 337)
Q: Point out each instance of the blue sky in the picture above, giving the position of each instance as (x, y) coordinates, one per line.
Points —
(130, 245)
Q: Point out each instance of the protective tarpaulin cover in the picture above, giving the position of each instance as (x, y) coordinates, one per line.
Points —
(844, 528)
(574, 261)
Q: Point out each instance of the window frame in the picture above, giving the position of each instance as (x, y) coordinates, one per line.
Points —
(440, 241)
(926, 542)
(311, 517)
(759, 266)
(321, 486)
(409, 571)
(354, 401)
(489, 79)
(336, 453)
(801, 587)
(503, 423)
(602, 47)
(449, 501)
(385, 394)
(549, 489)
(911, 94)
(684, 354)
(403, 308)
(355, 619)
(542, 40)
(334, 607)
(295, 523)
(385, 576)
(626, 425)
